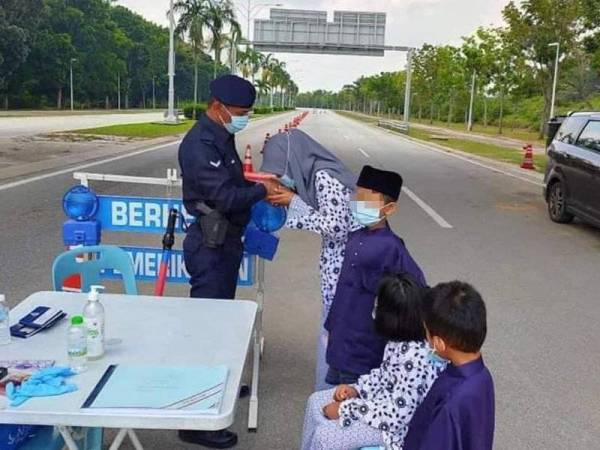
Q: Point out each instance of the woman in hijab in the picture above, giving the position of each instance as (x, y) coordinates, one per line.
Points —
(317, 192)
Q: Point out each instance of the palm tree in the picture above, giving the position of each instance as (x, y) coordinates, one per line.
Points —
(243, 63)
(255, 59)
(220, 15)
(232, 40)
(262, 87)
(270, 74)
(192, 21)
(292, 93)
(250, 63)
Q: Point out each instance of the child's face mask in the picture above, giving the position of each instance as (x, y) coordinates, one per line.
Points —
(364, 214)
(368, 207)
(434, 358)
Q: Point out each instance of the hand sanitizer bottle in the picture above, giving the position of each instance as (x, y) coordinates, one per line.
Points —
(93, 319)
(4, 322)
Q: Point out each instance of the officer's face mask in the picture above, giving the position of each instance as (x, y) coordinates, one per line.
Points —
(237, 124)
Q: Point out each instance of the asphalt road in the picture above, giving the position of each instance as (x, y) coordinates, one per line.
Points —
(459, 219)
(11, 127)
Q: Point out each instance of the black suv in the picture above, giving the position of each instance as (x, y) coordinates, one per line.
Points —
(572, 181)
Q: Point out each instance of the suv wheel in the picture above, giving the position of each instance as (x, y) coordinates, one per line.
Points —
(557, 204)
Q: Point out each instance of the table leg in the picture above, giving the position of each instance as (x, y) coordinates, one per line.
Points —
(119, 438)
(134, 440)
(258, 346)
(253, 407)
(65, 432)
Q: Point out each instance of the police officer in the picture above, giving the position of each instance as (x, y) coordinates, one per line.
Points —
(216, 193)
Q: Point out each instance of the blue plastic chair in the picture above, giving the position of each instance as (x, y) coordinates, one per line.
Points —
(48, 438)
(107, 257)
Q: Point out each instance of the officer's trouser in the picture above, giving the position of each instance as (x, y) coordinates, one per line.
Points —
(213, 271)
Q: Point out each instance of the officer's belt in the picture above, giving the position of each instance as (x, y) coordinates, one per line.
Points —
(203, 209)
(232, 230)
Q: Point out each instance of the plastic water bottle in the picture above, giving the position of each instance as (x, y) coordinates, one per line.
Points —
(4, 321)
(77, 345)
(93, 319)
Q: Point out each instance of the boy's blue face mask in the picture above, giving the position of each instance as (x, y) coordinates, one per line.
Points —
(238, 123)
(364, 214)
(435, 359)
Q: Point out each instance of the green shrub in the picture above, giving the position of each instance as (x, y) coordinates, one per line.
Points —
(262, 110)
(194, 111)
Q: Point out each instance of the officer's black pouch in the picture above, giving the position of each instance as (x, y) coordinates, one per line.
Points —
(214, 226)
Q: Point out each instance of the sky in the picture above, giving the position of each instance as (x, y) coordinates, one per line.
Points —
(409, 22)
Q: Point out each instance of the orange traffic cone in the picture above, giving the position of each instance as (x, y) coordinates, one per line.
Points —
(248, 160)
(267, 137)
(528, 159)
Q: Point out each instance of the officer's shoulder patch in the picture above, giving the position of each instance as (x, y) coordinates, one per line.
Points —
(215, 164)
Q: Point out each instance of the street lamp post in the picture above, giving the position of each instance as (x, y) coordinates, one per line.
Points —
(119, 91)
(171, 117)
(250, 8)
(557, 45)
(470, 123)
(407, 96)
(71, 81)
(249, 11)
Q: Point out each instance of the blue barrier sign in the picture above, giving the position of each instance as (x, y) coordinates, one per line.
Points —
(137, 214)
(146, 264)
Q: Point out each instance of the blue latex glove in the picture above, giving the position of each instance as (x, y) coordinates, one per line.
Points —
(43, 383)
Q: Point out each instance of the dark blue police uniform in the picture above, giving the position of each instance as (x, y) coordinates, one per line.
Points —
(212, 173)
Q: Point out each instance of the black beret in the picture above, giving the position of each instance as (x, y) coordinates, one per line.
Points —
(382, 181)
(232, 90)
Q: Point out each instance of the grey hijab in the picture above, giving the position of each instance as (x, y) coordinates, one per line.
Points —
(300, 157)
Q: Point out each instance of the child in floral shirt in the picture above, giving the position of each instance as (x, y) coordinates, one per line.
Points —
(378, 408)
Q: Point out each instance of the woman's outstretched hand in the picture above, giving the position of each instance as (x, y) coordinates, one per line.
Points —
(282, 196)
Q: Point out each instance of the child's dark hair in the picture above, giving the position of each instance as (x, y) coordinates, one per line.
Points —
(456, 312)
(398, 310)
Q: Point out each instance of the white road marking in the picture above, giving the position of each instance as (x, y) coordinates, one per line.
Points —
(365, 154)
(475, 163)
(6, 186)
(428, 209)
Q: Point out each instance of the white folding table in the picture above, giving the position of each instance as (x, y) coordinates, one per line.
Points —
(139, 330)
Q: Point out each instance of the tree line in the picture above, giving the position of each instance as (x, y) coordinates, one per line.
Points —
(512, 67)
(118, 58)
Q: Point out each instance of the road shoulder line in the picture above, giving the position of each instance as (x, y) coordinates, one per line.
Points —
(79, 167)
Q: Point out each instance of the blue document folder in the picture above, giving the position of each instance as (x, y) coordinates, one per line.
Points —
(165, 388)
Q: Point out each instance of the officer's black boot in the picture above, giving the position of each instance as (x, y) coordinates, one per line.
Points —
(210, 439)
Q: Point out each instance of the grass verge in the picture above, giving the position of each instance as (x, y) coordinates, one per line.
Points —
(491, 151)
(148, 130)
(139, 130)
(514, 133)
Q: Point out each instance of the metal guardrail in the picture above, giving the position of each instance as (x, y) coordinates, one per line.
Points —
(401, 127)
